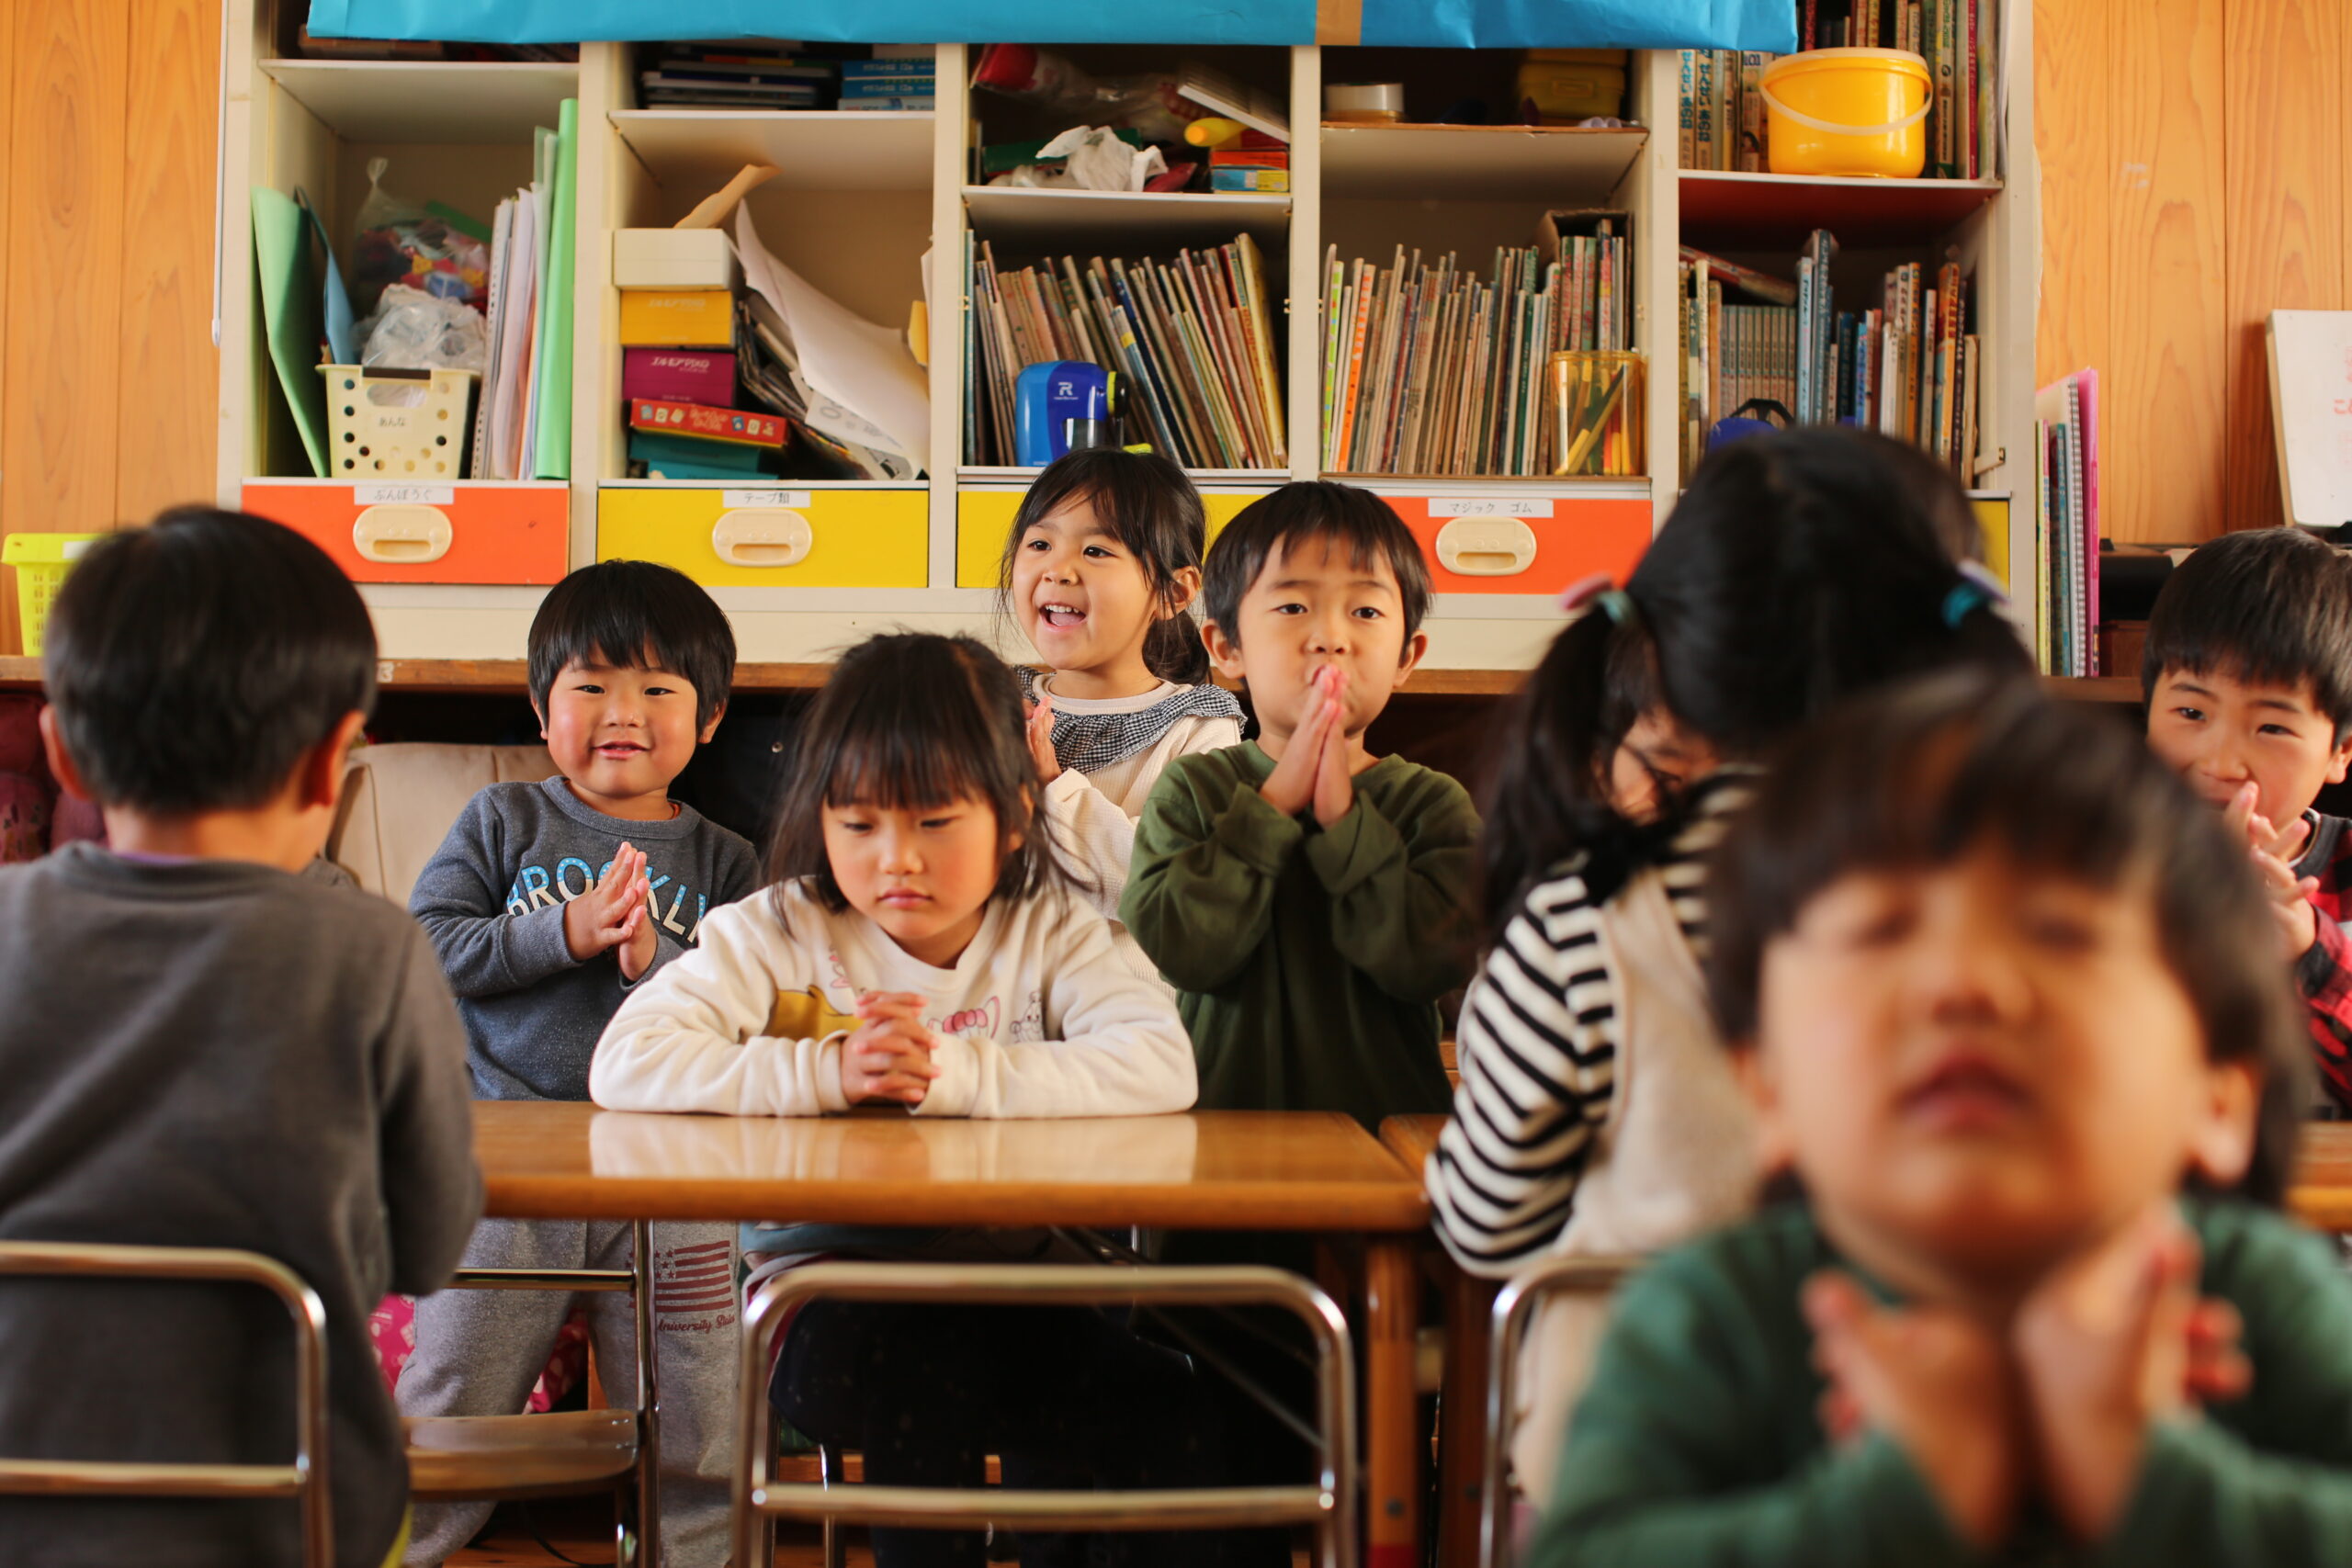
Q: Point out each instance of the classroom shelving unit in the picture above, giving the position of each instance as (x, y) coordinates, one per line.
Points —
(875, 209)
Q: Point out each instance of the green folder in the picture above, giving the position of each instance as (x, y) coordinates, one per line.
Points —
(290, 309)
(554, 371)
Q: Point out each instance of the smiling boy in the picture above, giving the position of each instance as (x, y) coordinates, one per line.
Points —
(1303, 896)
(2248, 681)
(549, 903)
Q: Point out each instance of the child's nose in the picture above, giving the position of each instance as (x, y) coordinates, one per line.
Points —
(1966, 969)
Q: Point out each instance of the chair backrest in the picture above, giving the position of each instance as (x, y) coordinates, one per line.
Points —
(1514, 1307)
(305, 1479)
(398, 801)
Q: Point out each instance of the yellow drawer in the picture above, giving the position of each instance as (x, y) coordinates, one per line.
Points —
(983, 517)
(772, 537)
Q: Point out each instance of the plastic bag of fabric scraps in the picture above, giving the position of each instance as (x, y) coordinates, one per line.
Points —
(399, 242)
(416, 331)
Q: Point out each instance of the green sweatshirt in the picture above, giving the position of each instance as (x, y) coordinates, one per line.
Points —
(1696, 1445)
(1309, 960)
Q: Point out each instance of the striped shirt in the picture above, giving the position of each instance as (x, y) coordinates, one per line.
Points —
(1538, 1046)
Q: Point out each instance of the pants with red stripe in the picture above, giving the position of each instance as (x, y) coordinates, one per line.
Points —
(478, 1351)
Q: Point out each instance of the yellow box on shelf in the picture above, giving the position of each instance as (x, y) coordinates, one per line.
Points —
(770, 537)
(677, 318)
(983, 517)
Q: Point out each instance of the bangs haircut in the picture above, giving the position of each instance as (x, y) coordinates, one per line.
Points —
(2269, 606)
(910, 721)
(1148, 506)
(191, 663)
(1915, 777)
(634, 615)
(1344, 516)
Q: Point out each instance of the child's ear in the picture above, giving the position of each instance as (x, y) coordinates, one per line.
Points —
(62, 766)
(2220, 1142)
(539, 712)
(2339, 762)
(1223, 652)
(1760, 1079)
(319, 776)
(1183, 589)
(1416, 647)
(712, 728)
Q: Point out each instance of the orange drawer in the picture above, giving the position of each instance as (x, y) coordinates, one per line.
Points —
(1488, 544)
(484, 531)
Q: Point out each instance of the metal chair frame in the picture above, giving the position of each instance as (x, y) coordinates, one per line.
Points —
(1512, 1308)
(1329, 1505)
(305, 1479)
(641, 1500)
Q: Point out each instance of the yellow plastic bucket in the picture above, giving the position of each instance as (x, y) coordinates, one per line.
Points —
(41, 561)
(1848, 111)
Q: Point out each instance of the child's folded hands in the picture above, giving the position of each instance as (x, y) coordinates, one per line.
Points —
(2274, 850)
(616, 913)
(887, 1056)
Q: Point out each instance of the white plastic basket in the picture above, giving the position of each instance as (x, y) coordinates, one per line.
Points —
(397, 423)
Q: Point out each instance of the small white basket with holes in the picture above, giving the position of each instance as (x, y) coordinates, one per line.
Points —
(397, 424)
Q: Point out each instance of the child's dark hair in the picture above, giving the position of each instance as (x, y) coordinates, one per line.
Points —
(1348, 518)
(1798, 568)
(2272, 605)
(1149, 506)
(192, 662)
(1918, 776)
(910, 720)
(634, 615)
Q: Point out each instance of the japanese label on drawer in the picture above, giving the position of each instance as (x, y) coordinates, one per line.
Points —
(403, 495)
(766, 498)
(1489, 506)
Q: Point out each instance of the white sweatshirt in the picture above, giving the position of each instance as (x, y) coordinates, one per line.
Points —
(1040, 1017)
(1093, 816)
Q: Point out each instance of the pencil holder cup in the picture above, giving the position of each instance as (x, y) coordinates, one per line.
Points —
(1597, 418)
(397, 424)
(41, 561)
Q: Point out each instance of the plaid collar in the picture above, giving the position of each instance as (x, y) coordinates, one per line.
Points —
(1084, 742)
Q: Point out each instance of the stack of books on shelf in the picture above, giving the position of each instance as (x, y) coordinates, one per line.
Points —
(2065, 530)
(1428, 370)
(1909, 366)
(738, 74)
(1192, 337)
(522, 411)
(1722, 119)
(899, 77)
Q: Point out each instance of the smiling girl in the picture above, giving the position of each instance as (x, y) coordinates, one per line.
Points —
(1101, 569)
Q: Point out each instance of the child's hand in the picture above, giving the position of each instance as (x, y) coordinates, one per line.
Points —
(1937, 1382)
(1335, 779)
(641, 941)
(887, 1057)
(2274, 851)
(1290, 788)
(2107, 1347)
(1040, 733)
(611, 912)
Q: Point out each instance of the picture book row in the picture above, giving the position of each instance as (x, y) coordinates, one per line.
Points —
(2065, 526)
(1722, 117)
(1910, 365)
(1192, 337)
(1428, 370)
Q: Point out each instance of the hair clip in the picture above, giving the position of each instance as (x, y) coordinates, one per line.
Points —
(1594, 592)
(1977, 585)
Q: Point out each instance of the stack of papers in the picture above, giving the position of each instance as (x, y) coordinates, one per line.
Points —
(523, 417)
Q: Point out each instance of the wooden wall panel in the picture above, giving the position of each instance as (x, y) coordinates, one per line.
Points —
(2285, 215)
(2074, 132)
(169, 377)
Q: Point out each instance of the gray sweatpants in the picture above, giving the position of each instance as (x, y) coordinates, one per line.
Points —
(477, 1353)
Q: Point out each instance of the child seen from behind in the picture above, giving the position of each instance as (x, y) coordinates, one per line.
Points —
(548, 903)
(206, 1046)
(1100, 571)
(2002, 997)
(2247, 675)
(1596, 1113)
(918, 946)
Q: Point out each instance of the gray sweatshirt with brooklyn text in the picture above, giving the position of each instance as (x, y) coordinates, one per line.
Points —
(492, 899)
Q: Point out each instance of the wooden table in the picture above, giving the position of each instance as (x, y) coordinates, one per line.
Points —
(1307, 1171)
(2322, 1194)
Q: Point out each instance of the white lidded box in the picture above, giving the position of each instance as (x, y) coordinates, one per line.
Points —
(674, 258)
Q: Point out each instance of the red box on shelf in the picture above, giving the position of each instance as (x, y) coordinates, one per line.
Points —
(679, 375)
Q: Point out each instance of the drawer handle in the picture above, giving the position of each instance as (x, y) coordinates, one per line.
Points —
(403, 535)
(1486, 547)
(763, 536)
